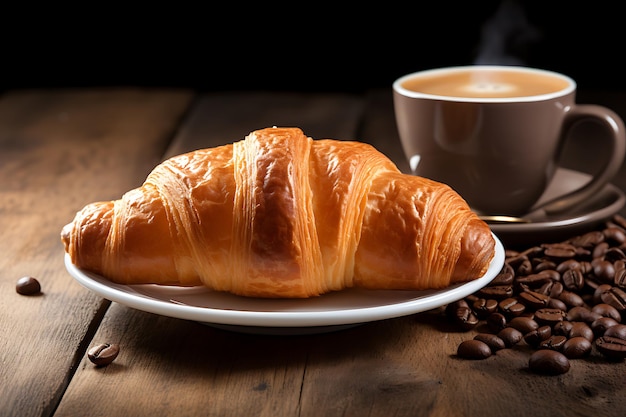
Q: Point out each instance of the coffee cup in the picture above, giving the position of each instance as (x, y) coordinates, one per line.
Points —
(495, 134)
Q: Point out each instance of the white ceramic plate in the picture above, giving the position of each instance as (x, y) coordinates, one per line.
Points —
(253, 315)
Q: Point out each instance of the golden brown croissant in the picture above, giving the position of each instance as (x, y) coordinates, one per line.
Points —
(282, 215)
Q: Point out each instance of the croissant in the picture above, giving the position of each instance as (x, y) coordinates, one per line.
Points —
(280, 215)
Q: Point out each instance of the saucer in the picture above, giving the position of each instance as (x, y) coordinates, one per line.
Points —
(559, 227)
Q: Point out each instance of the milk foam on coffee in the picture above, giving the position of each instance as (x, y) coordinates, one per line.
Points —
(485, 83)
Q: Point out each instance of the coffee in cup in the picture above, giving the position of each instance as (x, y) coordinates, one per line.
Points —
(495, 133)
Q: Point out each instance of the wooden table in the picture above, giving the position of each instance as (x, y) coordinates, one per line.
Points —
(61, 149)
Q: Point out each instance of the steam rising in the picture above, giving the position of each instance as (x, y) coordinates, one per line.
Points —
(506, 36)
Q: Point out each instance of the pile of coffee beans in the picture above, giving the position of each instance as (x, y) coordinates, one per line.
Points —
(564, 300)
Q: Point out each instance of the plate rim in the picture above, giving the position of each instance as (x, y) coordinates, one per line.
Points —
(419, 301)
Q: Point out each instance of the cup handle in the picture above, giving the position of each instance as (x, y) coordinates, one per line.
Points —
(614, 127)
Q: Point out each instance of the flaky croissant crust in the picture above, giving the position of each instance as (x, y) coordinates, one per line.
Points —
(279, 214)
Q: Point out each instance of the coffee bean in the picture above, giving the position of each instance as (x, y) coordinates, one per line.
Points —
(617, 331)
(559, 251)
(615, 297)
(494, 342)
(600, 326)
(599, 250)
(484, 307)
(599, 291)
(545, 265)
(103, 354)
(497, 292)
(496, 322)
(580, 313)
(571, 299)
(555, 303)
(555, 342)
(533, 299)
(611, 347)
(563, 328)
(510, 336)
(581, 329)
(614, 235)
(604, 271)
(549, 362)
(535, 337)
(555, 290)
(620, 278)
(567, 265)
(524, 268)
(607, 310)
(585, 267)
(465, 318)
(619, 220)
(473, 349)
(573, 279)
(614, 255)
(534, 280)
(505, 277)
(511, 307)
(576, 347)
(549, 316)
(451, 308)
(523, 324)
(588, 240)
(28, 286)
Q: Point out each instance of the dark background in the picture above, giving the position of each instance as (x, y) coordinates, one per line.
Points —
(304, 46)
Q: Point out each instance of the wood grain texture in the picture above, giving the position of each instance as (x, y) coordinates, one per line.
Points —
(222, 118)
(58, 151)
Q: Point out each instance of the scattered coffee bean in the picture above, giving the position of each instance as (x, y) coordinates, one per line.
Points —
(497, 292)
(505, 277)
(464, 317)
(555, 342)
(556, 303)
(611, 347)
(28, 286)
(576, 347)
(549, 316)
(607, 310)
(510, 336)
(496, 322)
(573, 279)
(604, 270)
(580, 313)
(534, 299)
(524, 324)
(103, 354)
(511, 307)
(535, 337)
(494, 342)
(484, 307)
(473, 349)
(600, 326)
(549, 362)
(618, 331)
(563, 328)
(581, 329)
(571, 299)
